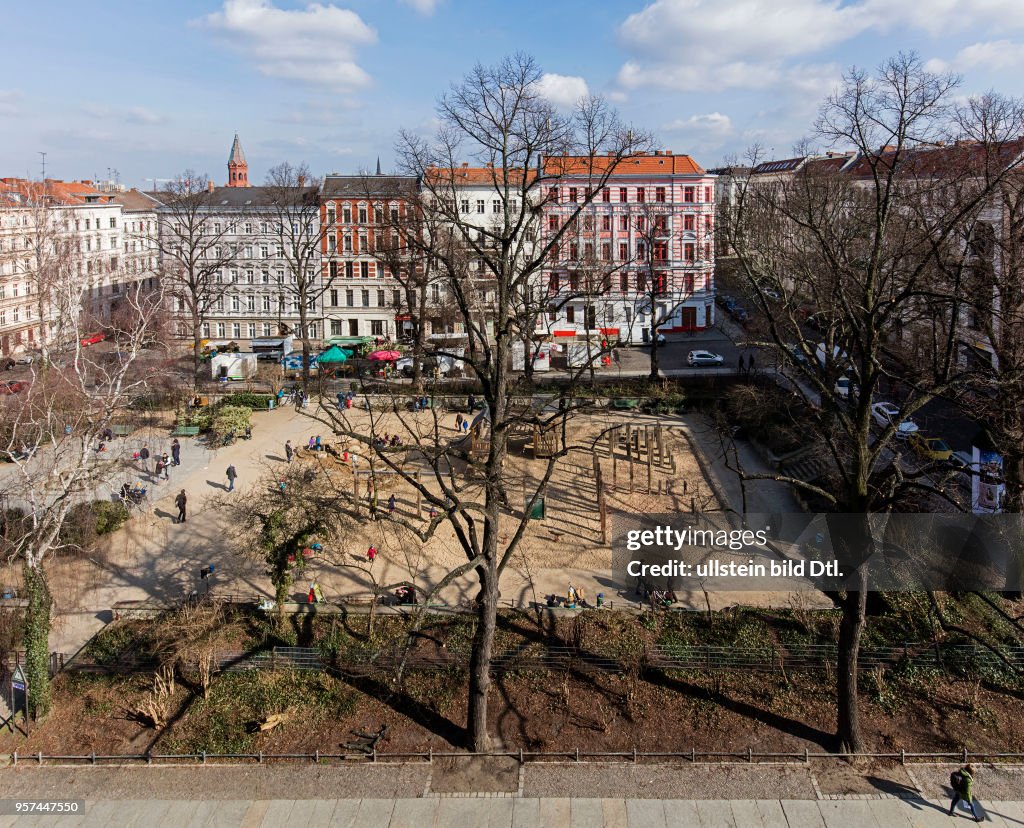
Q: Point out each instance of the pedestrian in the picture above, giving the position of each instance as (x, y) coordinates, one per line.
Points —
(311, 443)
(371, 553)
(232, 474)
(741, 364)
(144, 456)
(962, 782)
(181, 501)
(176, 452)
(750, 363)
(288, 450)
(159, 466)
(458, 421)
(391, 505)
(470, 403)
(465, 426)
(433, 511)
(167, 466)
(318, 445)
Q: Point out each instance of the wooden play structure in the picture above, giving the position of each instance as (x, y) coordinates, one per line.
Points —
(643, 446)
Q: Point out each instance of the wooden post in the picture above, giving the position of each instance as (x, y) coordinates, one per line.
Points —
(650, 458)
(613, 438)
(615, 472)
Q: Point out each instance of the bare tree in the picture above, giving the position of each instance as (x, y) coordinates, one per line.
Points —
(497, 118)
(51, 434)
(294, 205)
(873, 249)
(194, 250)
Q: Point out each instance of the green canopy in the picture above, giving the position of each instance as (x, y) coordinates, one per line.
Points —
(332, 354)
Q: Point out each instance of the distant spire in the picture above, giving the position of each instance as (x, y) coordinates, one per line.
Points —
(237, 156)
(378, 165)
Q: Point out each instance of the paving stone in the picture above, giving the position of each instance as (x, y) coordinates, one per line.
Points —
(803, 813)
(715, 813)
(526, 813)
(375, 812)
(555, 813)
(642, 813)
(587, 813)
(414, 813)
(681, 813)
(772, 815)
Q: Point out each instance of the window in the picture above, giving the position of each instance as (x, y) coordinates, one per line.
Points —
(248, 228)
(623, 195)
(266, 328)
(396, 298)
(236, 330)
(336, 327)
(688, 195)
(624, 223)
(624, 282)
(235, 304)
(220, 330)
(570, 313)
(334, 298)
(362, 214)
(346, 243)
(661, 251)
(349, 270)
(641, 223)
(553, 286)
(496, 205)
(623, 250)
(346, 214)
(252, 330)
(264, 251)
(606, 222)
(366, 298)
(553, 194)
(606, 251)
(573, 193)
(266, 304)
(688, 221)
(331, 216)
(464, 205)
(363, 244)
(641, 195)
(707, 194)
(349, 298)
(707, 251)
(659, 195)
(113, 223)
(553, 223)
(332, 270)
(364, 270)
(479, 205)
(332, 243)
(435, 294)
(250, 304)
(380, 298)
(689, 253)
(376, 327)
(606, 195)
(574, 282)
(707, 224)
(641, 282)
(378, 214)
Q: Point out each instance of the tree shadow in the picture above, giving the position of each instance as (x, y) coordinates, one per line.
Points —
(791, 727)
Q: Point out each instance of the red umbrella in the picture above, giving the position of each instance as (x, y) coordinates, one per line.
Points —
(385, 356)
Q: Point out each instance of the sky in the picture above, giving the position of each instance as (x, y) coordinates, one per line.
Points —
(151, 89)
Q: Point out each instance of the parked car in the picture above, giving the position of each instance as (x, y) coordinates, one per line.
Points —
(701, 358)
(15, 387)
(798, 354)
(886, 414)
(92, 339)
(25, 358)
(929, 448)
(405, 366)
(844, 387)
(661, 340)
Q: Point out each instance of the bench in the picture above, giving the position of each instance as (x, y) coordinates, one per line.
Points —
(145, 608)
(121, 430)
(185, 431)
(625, 404)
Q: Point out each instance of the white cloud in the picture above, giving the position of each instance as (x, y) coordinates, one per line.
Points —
(711, 124)
(315, 45)
(994, 54)
(423, 6)
(563, 90)
(9, 101)
(132, 114)
(695, 45)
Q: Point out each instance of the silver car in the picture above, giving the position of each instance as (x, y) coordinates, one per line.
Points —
(702, 358)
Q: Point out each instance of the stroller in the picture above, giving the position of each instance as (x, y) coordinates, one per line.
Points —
(132, 495)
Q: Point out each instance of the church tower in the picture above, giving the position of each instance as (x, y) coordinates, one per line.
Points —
(238, 167)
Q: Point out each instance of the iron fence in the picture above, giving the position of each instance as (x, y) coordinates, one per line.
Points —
(749, 756)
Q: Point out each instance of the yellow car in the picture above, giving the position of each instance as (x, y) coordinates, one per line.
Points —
(929, 448)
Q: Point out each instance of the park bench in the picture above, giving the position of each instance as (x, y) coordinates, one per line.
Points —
(185, 431)
(144, 608)
(121, 430)
(625, 404)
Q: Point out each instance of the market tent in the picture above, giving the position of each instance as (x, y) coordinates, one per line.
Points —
(385, 356)
(332, 355)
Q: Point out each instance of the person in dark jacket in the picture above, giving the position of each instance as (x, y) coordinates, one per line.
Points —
(232, 474)
(181, 501)
(176, 452)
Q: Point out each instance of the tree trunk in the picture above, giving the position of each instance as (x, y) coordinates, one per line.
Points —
(305, 341)
(851, 626)
(37, 641)
(654, 347)
(477, 737)
(196, 348)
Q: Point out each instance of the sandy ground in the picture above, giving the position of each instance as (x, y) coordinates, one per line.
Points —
(154, 557)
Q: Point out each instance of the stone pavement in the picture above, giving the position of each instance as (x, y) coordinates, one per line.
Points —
(522, 813)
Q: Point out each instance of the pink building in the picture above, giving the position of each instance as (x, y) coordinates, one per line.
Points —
(643, 247)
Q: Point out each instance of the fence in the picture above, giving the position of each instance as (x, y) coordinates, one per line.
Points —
(966, 658)
(749, 756)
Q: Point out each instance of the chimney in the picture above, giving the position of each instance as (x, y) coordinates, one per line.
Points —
(209, 185)
(302, 181)
(465, 165)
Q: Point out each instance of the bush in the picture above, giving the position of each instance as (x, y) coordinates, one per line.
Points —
(246, 399)
(230, 418)
(85, 522)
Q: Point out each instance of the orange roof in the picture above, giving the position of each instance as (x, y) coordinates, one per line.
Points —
(54, 191)
(472, 175)
(643, 164)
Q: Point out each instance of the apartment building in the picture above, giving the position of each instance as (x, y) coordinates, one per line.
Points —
(643, 248)
(360, 214)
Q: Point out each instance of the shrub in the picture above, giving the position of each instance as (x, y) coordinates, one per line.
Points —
(85, 522)
(246, 399)
(230, 418)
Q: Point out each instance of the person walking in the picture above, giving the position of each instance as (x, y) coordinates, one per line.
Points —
(176, 452)
(458, 421)
(750, 363)
(391, 505)
(232, 474)
(144, 456)
(159, 467)
(470, 403)
(962, 782)
(288, 450)
(181, 501)
(371, 553)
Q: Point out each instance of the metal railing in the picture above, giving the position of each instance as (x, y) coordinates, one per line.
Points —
(749, 756)
(966, 658)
